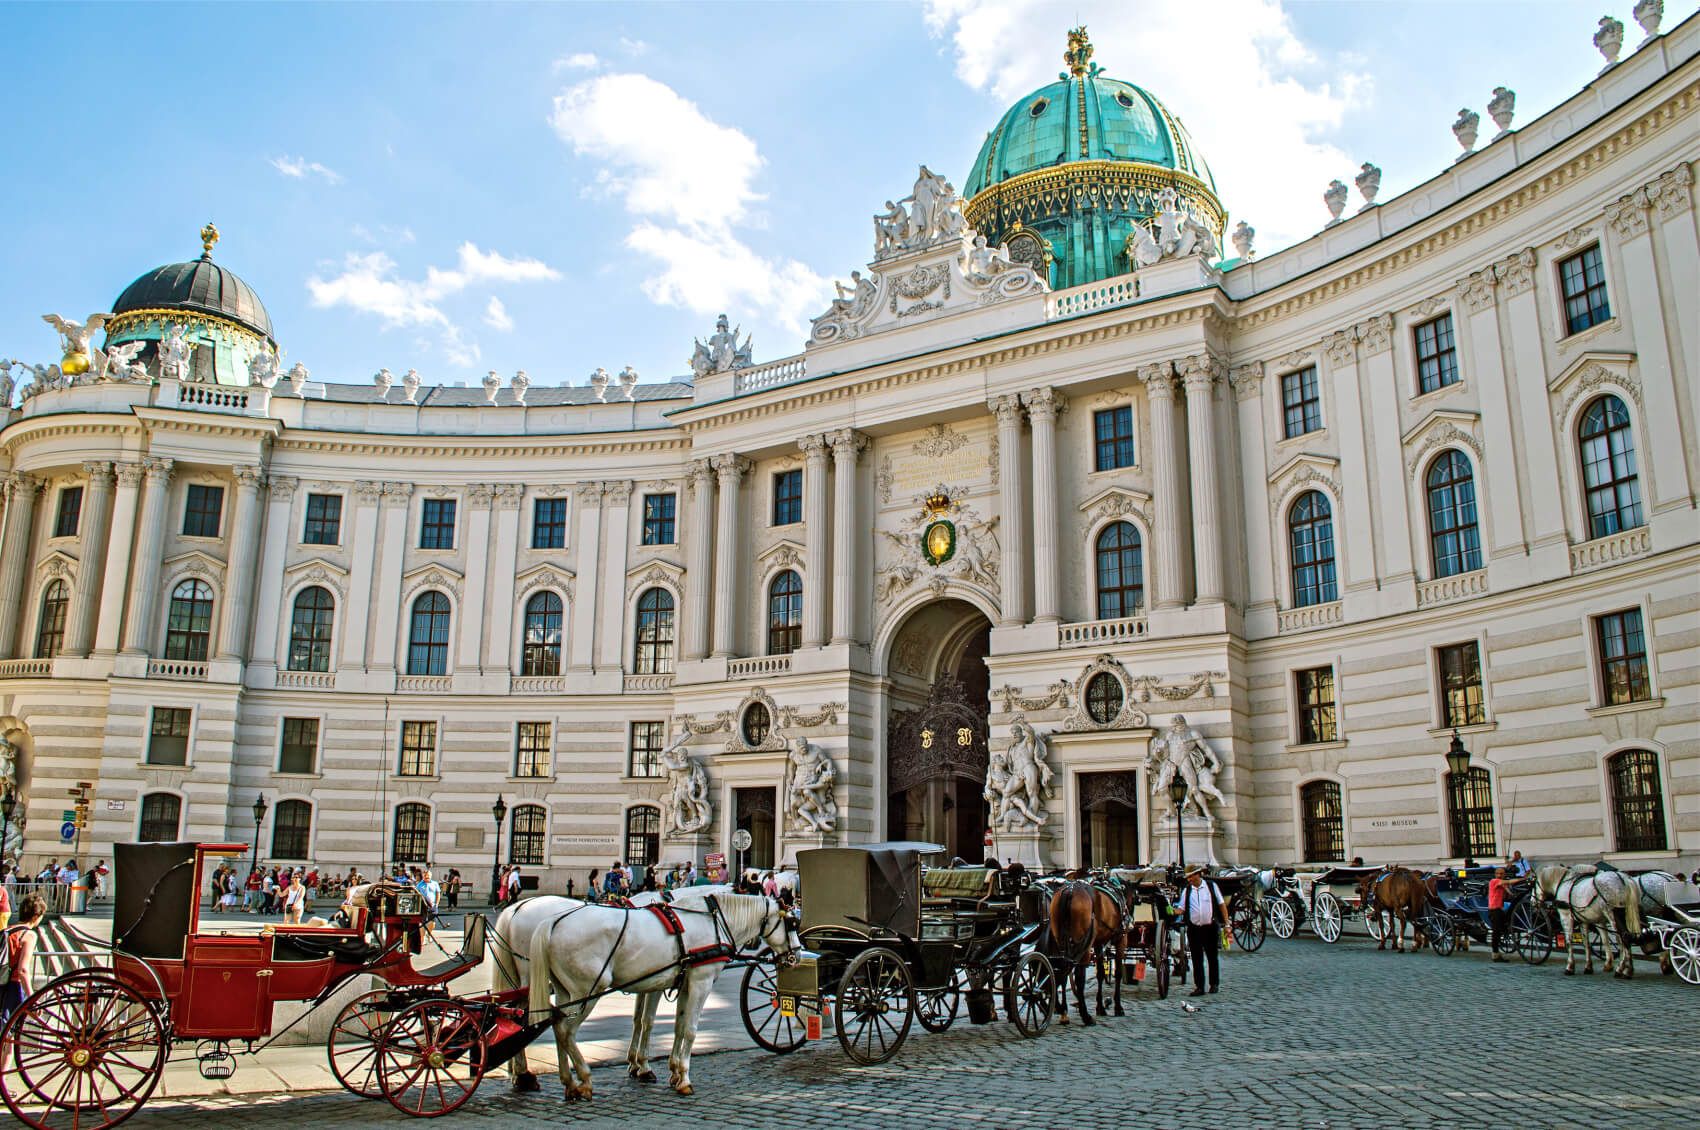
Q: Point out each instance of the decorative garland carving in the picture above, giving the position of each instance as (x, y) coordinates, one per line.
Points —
(826, 715)
(1303, 475)
(939, 441)
(1475, 290)
(319, 575)
(1673, 192)
(1297, 359)
(918, 284)
(772, 741)
(1056, 695)
(548, 578)
(1117, 506)
(1341, 347)
(659, 573)
(721, 721)
(1574, 238)
(1429, 307)
(1628, 215)
(435, 578)
(1127, 718)
(1375, 335)
(1444, 435)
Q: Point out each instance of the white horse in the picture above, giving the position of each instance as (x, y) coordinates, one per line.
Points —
(1586, 898)
(594, 950)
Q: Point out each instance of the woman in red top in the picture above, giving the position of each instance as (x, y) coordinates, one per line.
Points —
(1498, 888)
(20, 954)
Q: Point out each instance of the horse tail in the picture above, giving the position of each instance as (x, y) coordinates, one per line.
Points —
(1632, 908)
(538, 1003)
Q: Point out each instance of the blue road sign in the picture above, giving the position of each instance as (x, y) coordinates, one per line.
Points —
(67, 831)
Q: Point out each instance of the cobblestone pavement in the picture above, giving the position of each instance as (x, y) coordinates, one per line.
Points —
(1303, 1035)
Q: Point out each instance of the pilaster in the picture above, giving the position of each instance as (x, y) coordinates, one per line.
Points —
(698, 555)
(85, 598)
(1382, 394)
(815, 529)
(362, 578)
(470, 638)
(1167, 529)
(21, 493)
(1201, 374)
(1549, 545)
(119, 545)
(1043, 405)
(150, 536)
(1247, 383)
(1012, 567)
(1359, 523)
(1498, 491)
(262, 657)
(617, 510)
(239, 576)
(581, 645)
(847, 447)
(396, 506)
(498, 656)
(730, 469)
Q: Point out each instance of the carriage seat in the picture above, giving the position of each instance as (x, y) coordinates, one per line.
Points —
(1286, 872)
(446, 970)
(350, 950)
(966, 888)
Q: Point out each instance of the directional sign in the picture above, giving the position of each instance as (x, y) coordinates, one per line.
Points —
(741, 840)
(67, 832)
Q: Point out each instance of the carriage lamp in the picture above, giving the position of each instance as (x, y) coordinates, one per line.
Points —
(259, 815)
(499, 810)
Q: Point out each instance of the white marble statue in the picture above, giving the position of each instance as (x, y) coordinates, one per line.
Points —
(1649, 14)
(1181, 749)
(1368, 181)
(599, 382)
(492, 386)
(891, 230)
(6, 385)
(410, 382)
(298, 375)
(1018, 780)
(688, 806)
(984, 262)
(1609, 39)
(263, 367)
(1501, 107)
(1244, 233)
(121, 363)
(1168, 217)
(1141, 249)
(809, 796)
(175, 349)
(854, 300)
(1465, 130)
(628, 381)
(384, 380)
(76, 338)
(1335, 199)
(721, 352)
(1198, 237)
(14, 842)
(520, 384)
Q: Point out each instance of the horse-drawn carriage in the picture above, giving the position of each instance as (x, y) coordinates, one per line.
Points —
(1673, 925)
(887, 941)
(1459, 910)
(1328, 899)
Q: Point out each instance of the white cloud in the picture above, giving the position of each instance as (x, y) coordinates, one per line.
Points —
(496, 315)
(710, 273)
(300, 167)
(579, 61)
(633, 47)
(458, 350)
(1262, 99)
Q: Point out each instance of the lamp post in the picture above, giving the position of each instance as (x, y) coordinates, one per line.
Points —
(259, 815)
(7, 804)
(499, 810)
(1177, 794)
(1457, 764)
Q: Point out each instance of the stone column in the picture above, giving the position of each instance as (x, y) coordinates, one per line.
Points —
(1498, 492)
(1043, 405)
(847, 447)
(470, 641)
(96, 532)
(1012, 565)
(1168, 532)
(730, 470)
(1201, 373)
(815, 523)
(150, 536)
(617, 508)
(362, 577)
(239, 576)
(1672, 196)
(1247, 382)
(393, 546)
(21, 492)
(498, 655)
(1384, 397)
(698, 558)
(581, 644)
(119, 545)
(1529, 391)
(280, 490)
(1354, 530)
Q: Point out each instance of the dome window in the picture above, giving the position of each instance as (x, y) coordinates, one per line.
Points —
(1123, 98)
(1038, 107)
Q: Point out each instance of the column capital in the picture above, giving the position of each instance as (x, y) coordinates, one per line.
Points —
(1375, 335)
(590, 494)
(1159, 380)
(731, 468)
(1007, 408)
(508, 495)
(402, 491)
(1476, 290)
(1341, 347)
(847, 444)
(19, 482)
(1199, 371)
(1247, 380)
(1628, 214)
(283, 487)
(1673, 192)
(159, 470)
(1517, 272)
(814, 447)
(1044, 403)
(701, 469)
(618, 492)
(97, 470)
(249, 478)
(129, 474)
(480, 494)
(366, 490)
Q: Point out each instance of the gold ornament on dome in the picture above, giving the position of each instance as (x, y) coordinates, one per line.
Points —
(1079, 53)
(209, 236)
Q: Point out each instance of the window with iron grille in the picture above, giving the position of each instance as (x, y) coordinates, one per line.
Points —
(549, 523)
(1324, 827)
(1104, 697)
(643, 835)
(1637, 800)
(310, 630)
(188, 624)
(1608, 468)
(1112, 434)
(168, 736)
(428, 636)
(418, 749)
(541, 652)
(412, 840)
(1301, 403)
(658, 519)
(787, 497)
(648, 740)
(201, 513)
(1121, 583)
(1461, 685)
(1469, 804)
(324, 520)
(437, 524)
(1455, 544)
(531, 746)
(161, 815)
(785, 613)
(1583, 277)
(1310, 529)
(299, 750)
(70, 512)
(1623, 658)
(654, 634)
(292, 826)
(1316, 705)
(50, 629)
(525, 842)
(1437, 354)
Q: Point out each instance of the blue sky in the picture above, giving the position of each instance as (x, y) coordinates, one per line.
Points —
(557, 187)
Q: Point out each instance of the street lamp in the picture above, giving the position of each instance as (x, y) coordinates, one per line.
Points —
(1177, 794)
(500, 811)
(259, 815)
(1457, 764)
(7, 804)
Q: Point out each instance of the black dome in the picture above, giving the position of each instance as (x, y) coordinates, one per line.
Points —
(201, 286)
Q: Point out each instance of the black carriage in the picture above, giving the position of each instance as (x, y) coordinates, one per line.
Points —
(888, 941)
(1156, 940)
(1460, 911)
(1242, 893)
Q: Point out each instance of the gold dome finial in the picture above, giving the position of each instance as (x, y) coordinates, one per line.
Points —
(1079, 53)
(209, 236)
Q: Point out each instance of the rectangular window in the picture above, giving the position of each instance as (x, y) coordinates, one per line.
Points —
(1461, 685)
(1112, 430)
(549, 524)
(532, 757)
(787, 498)
(418, 749)
(168, 739)
(658, 519)
(437, 524)
(324, 520)
(70, 511)
(1301, 403)
(200, 516)
(1316, 705)
(1623, 658)
(1583, 277)
(1437, 354)
(300, 750)
(648, 740)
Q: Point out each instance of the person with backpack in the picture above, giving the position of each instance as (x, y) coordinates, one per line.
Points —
(19, 955)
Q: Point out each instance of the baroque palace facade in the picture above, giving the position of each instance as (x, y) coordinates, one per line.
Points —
(1433, 471)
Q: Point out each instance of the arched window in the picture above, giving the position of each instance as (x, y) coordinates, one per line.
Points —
(1469, 806)
(643, 835)
(1608, 468)
(160, 816)
(1310, 526)
(654, 633)
(525, 844)
(428, 638)
(542, 653)
(1637, 800)
(1454, 544)
(1324, 828)
(292, 820)
(310, 630)
(189, 622)
(1121, 578)
(412, 840)
(50, 629)
(785, 613)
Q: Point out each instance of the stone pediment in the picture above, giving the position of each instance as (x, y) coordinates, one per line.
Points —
(782, 554)
(657, 572)
(195, 562)
(435, 576)
(1595, 371)
(1327, 466)
(319, 571)
(545, 576)
(1114, 502)
(58, 563)
(1439, 428)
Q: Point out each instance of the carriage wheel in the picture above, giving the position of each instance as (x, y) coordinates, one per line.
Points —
(767, 1026)
(1282, 920)
(1376, 924)
(1532, 927)
(1246, 921)
(83, 1053)
(936, 1008)
(1441, 937)
(431, 1057)
(352, 1046)
(1685, 954)
(1160, 959)
(1326, 916)
(875, 988)
(1029, 996)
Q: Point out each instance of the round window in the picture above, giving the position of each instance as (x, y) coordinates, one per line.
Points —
(1122, 97)
(1038, 106)
(1103, 698)
(756, 724)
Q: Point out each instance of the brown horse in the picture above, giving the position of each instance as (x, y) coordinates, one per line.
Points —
(1402, 896)
(1085, 921)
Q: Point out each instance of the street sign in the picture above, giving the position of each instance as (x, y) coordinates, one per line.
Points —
(67, 832)
(741, 840)
(69, 815)
(115, 806)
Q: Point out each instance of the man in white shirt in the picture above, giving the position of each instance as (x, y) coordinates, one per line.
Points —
(1202, 910)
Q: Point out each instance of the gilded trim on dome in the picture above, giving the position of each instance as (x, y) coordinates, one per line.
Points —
(1080, 100)
(1053, 190)
(135, 321)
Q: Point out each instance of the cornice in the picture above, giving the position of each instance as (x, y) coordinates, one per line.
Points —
(206, 423)
(432, 446)
(21, 431)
